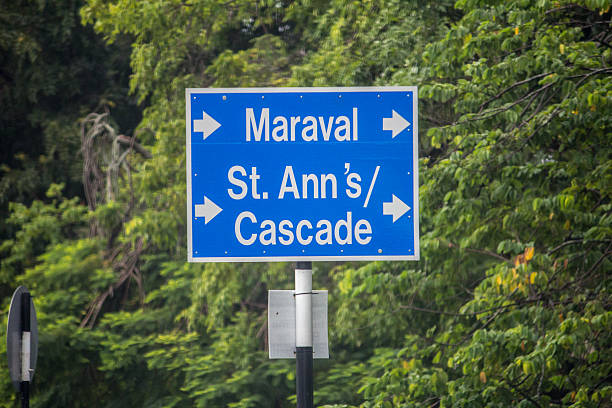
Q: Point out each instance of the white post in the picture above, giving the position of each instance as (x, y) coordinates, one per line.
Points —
(303, 307)
(25, 356)
(303, 335)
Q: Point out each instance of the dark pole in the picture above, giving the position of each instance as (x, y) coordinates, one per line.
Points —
(25, 337)
(303, 350)
(303, 378)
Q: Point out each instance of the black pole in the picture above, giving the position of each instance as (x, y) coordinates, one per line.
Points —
(25, 327)
(25, 394)
(304, 370)
(303, 378)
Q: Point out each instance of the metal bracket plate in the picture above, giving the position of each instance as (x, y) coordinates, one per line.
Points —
(281, 324)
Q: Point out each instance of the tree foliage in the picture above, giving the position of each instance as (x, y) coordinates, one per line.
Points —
(53, 71)
(510, 304)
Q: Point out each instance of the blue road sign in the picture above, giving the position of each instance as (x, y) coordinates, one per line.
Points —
(289, 174)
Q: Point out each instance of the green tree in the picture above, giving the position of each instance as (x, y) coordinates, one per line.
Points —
(53, 71)
(516, 219)
(510, 303)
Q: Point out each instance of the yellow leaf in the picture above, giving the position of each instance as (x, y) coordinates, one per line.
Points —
(527, 367)
(483, 377)
(532, 277)
(575, 112)
(498, 280)
(593, 108)
(567, 225)
(409, 365)
(516, 30)
(529, 253)
(550, 217)
(562, 48)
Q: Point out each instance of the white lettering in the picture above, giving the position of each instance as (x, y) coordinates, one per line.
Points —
(241, 216)
(355, 124)
(366, 230)
(346, 224)
(282, 127)
(349, 180)
(327, 231)
(298, 232)
(237, 182)
(334, 186)
(315, 185)
(271, 231)
(312, 128)
(288, 176)
(264, 125)
(254, 177)
(346, 128)
(326, 132)
(285, 128)
(294, 121)
(285, 232)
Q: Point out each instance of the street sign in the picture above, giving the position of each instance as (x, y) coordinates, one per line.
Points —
(282, 324)
(292, 174)
(21, 338)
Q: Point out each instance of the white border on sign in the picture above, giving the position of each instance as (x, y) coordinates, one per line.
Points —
(188, 169)
(415, 174)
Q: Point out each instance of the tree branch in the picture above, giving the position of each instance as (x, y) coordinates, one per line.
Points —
(511, 87)
(481, 251)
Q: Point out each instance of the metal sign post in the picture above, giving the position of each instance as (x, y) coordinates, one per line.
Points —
(303, 334)
(22, 343)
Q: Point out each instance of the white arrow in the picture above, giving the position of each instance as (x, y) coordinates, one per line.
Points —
(208, 210)
(396, 123)
(396, 208)
(207, 125)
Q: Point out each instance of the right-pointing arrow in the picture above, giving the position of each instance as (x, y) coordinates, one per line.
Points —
(208, 210)
(207, 125)
(396, 208)
(396, 123)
